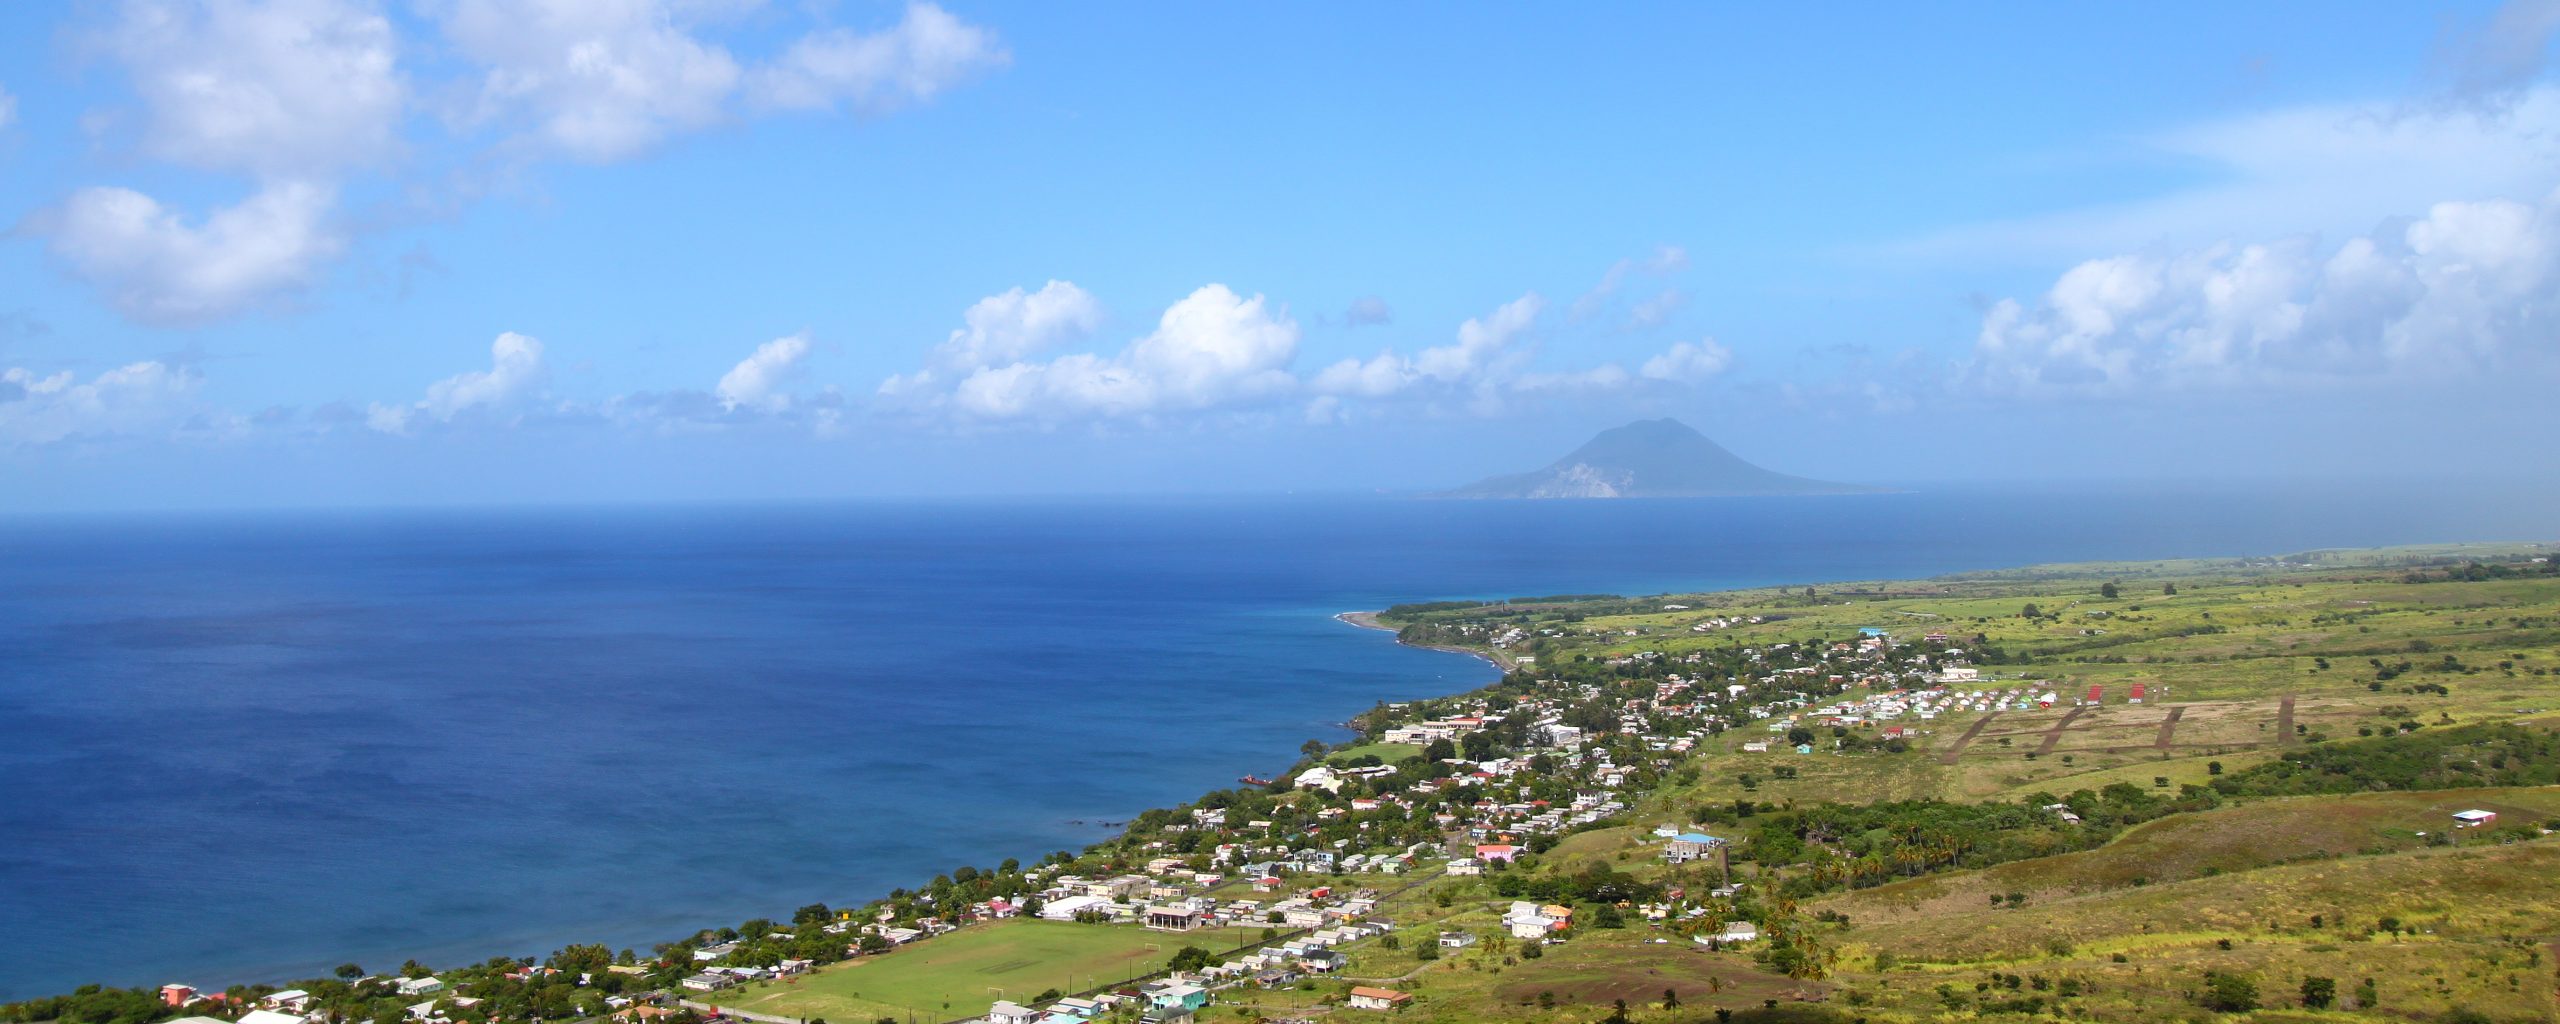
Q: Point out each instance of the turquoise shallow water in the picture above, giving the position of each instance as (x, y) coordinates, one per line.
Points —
(242, 747)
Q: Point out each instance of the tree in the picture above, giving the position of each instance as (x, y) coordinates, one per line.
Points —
(350, 972)
(2318, 993)
(1532, 949)
(2168, 590)
(1670, 999)
(2228, 993)
(2030, 611)
(2108, 590)
(2213, 767)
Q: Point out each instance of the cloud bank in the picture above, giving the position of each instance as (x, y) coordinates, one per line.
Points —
(2467, 289)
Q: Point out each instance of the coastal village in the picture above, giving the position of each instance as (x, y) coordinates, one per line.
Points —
(1645, 809)
(1302, 873)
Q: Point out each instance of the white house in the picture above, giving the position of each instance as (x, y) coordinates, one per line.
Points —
(1006, 1011)
(1367, 998)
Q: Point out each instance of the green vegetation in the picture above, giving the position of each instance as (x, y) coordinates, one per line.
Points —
(2268, 833)
(962, 973)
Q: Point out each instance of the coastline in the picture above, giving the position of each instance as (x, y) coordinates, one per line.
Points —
(1115, 829)
(1369, 620)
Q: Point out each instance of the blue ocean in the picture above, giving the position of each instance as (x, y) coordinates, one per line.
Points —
(251, 747)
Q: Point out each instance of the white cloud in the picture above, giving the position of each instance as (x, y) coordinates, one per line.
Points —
(137, 399)
(1688, 362)
(2469, 287)
(1016, 325)
(516, 373)
(158, 268)
(301, 95)
(603, 80)
(1483, 354)
(757, 381)
(594, 80)
(1213, 348)
(925, 53)
(1488, 365)
(8, 108)
(290, 88)
(2333, 168)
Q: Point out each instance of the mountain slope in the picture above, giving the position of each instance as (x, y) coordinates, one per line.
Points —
(1649, 459)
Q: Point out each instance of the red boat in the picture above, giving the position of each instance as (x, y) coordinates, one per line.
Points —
(1255, 780)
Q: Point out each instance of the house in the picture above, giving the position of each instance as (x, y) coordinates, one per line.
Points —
(1364, 997)
(1739, 931)
(1456, 940)
(1006, 1011)
(270, 1017)
(2473, 818)
(1176, 919)
(709, 982)
(1186, 998)
(1503, 852)
(291, 1000)
(176, 995)
(1067, 909)
(1465, 866)
(1690, 846)
(426, 986)
(1322, 960)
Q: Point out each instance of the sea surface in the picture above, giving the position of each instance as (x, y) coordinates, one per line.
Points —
(250, 747)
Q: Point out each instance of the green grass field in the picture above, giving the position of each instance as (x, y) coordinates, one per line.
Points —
(1386, 753)
(2246, 660)
(965, 972)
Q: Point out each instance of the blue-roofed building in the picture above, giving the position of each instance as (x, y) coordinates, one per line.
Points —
(1695, 846)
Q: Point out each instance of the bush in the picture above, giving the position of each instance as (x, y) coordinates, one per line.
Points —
(2228, 993)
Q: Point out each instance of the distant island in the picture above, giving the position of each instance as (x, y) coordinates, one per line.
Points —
(1662, 458)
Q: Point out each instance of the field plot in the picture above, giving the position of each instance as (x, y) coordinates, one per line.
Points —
(965, 972)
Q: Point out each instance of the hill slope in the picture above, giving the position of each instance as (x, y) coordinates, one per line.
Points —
(1649, 459)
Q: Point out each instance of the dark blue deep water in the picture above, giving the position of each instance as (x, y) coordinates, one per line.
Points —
(251, 747)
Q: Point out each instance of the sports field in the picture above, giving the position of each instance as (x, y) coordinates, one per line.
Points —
(964, 972)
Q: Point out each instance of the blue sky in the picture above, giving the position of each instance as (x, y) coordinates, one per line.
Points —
(417, 251)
